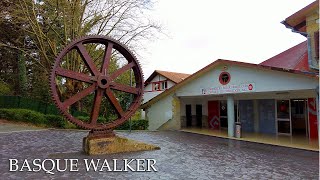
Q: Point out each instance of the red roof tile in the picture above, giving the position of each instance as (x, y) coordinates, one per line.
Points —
(294, 58)
(173, 76)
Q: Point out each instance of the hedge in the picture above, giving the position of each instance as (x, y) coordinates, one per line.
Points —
(140, 124)
(23, 115)
(87, 118)
(29, 116)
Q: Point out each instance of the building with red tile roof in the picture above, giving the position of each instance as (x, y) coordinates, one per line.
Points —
(293, 58)
(173, 76)
(277, 96)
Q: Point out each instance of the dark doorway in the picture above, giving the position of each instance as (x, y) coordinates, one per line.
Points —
(223, 114)
(299, 117)
(199, 115)
(188, 115)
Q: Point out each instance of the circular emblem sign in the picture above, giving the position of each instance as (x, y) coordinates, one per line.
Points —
(224, 78)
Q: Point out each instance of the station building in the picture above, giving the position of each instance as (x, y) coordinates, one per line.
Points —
(276, 97)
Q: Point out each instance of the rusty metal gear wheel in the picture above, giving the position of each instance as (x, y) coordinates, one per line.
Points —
(101, 82)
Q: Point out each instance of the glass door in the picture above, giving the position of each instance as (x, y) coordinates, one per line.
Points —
(223, 114)
(283, 117)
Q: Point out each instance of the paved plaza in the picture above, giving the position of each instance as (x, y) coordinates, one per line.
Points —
(182, 156)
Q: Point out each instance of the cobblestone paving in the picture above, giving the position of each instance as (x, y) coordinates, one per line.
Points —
(182, 156)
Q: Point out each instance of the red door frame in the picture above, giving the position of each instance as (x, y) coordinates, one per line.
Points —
(214, 114)
(312, 116)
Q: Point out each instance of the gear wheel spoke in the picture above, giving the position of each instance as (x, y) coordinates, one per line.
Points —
(87, 59)
(73, 75)
(115, 103)
(78, 96)
(96, 106)
(106, 59)
(122, 70)
(124, 88)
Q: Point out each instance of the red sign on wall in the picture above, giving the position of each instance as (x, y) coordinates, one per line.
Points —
(213, 114)
(313, 122)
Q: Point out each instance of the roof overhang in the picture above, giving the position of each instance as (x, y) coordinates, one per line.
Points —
(297, 21)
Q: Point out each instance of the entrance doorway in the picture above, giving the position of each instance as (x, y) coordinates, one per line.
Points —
(213, 115)
(299, 117)
(224, 113)
(283, 117)
(188, 115)
(291, 117)
(199, 115)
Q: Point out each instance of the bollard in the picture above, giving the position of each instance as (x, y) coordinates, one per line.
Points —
(238, 130)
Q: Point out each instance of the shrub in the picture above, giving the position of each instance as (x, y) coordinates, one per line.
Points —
(87, 119)
(140, 124)
(4, 88)
(59, 122)
(23, 115)
(83, 118)
(29, 116)
(56, 121)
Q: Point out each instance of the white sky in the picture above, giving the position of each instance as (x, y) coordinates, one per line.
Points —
(199, 32)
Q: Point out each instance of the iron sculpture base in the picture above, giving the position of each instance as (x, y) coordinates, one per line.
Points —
(109, 143)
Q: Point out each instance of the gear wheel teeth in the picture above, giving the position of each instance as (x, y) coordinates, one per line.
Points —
(63, 109)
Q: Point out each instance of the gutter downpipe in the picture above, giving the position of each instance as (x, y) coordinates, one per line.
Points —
(311, 66)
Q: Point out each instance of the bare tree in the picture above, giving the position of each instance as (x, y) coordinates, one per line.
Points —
(49, 25)
(52, 24)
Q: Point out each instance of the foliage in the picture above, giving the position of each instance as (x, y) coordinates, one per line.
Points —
(140, 124)
(87, 119)
(18, 102)
(136, 115)
(4, 88)
(22, 75)
(23, 115)
(55, 121)
(29, 116)
(38, 30)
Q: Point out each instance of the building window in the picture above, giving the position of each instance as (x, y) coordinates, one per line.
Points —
(164, 85)
(159, 86)
(156, 86)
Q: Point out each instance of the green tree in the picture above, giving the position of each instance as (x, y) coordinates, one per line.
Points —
(38, 30)
(22, 74)
(4, 88)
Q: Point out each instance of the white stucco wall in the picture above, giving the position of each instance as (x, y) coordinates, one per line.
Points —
(264, 80)
(268, 85)
(149, 94)
(160, 112)
(170, 83)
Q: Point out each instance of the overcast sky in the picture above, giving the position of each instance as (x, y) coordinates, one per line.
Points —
(199, 32)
